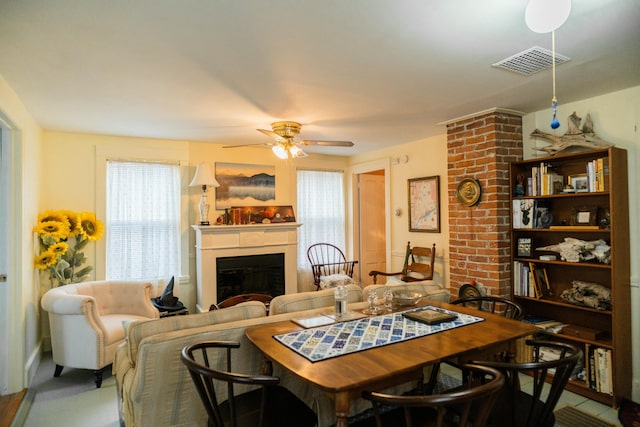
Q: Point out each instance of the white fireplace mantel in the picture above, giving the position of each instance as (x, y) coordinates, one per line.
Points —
(215, 241)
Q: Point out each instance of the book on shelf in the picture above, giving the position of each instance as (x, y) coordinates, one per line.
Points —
(545, 180)
(526, 213)
(598, 175)
(603, 366)
(599, 369)
(542, 217)
(523, 280)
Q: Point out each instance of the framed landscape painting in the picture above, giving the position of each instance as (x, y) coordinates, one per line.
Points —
(424, 204)
(244, 184)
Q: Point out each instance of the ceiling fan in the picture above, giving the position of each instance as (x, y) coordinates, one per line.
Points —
(285, 146)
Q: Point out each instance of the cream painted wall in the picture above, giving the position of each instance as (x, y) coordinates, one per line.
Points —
(426, 157)
(77, 185)
(616, 119)
(20, 295)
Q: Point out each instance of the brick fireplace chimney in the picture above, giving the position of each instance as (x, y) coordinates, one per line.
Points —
(481, 146)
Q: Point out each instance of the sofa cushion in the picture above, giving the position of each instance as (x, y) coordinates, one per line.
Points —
(138, 331)
(307, 300)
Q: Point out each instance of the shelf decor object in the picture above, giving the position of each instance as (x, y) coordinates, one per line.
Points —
(204, 178)
(468, 192)
(580, 275)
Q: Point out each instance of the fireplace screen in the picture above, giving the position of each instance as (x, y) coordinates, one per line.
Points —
(262, 274)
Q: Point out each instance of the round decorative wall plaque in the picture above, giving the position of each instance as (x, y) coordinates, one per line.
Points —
(468, 191)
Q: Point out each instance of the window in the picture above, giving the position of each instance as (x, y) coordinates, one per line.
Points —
(142, 220)
(320, 210)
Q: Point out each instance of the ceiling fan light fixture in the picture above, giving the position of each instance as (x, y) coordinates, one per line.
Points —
(545, 16)
(280, 151)
(296, 151)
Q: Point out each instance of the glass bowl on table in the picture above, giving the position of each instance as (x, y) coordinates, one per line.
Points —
(406, 299)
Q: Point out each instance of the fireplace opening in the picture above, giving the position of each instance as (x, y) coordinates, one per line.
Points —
(262, 274)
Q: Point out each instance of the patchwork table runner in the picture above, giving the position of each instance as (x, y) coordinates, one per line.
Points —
(337, 339)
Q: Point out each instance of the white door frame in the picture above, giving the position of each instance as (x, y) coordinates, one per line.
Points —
(12, 327)
(375, 165)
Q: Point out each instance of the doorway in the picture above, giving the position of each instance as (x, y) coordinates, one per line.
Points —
(12, 330)
(371, 222)
(4, 263)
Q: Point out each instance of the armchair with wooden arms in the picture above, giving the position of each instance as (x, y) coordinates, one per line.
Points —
(418, 265)
(328, 260)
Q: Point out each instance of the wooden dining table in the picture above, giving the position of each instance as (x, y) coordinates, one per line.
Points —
(345, 377)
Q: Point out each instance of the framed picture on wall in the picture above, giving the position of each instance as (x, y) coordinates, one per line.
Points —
(424, 204)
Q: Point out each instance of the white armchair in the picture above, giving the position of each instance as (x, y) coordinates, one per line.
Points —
(86, 321)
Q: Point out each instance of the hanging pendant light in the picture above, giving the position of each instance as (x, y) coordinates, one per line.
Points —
(544, 16)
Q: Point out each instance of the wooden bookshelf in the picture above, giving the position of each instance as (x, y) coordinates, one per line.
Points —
(601, 213)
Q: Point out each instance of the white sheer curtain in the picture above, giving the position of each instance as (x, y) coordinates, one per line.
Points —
(143, 220)
(322, 213)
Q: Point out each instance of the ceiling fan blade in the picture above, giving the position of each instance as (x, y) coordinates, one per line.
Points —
(327, 143)
(271, 134)
(265, 144)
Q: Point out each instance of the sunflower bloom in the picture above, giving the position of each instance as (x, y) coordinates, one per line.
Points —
(63, 235)
(56, 229)
(45, 260)
(74, 222)
(58, 216)
(59, 248)
(91, 227)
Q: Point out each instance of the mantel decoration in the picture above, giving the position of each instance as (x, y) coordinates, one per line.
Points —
(204, 178)
(63, 235)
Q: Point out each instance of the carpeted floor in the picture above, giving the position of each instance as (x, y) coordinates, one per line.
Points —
(72, 399)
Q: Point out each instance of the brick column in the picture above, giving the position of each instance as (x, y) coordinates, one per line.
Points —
(481, 146)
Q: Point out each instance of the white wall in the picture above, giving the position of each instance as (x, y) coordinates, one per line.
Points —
(20, 297)
(616, 119)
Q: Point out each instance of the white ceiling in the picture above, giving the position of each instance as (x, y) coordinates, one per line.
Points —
(377, 72)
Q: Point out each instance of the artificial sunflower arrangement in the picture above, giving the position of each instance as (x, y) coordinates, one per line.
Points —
(63, 235)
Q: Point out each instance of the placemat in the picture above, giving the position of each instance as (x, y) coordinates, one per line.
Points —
(325, 342)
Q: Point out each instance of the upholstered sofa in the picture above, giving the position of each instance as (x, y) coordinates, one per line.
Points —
(86, 321)
(154, 388)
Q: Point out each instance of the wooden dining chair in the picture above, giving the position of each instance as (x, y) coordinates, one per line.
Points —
(552, 363)
(267, 405)
(327, 260)
(488, 304)
(418, 265)
(491, 304)
(468, 405)
(237, 299)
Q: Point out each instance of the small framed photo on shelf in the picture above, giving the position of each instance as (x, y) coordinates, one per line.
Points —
(541, 281)
(524, 248)
(584, 215)
(579, 183)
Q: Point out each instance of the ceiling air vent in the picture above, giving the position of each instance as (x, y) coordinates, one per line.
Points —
(530, 61)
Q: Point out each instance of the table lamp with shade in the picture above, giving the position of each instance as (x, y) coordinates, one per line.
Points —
(204, 178)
